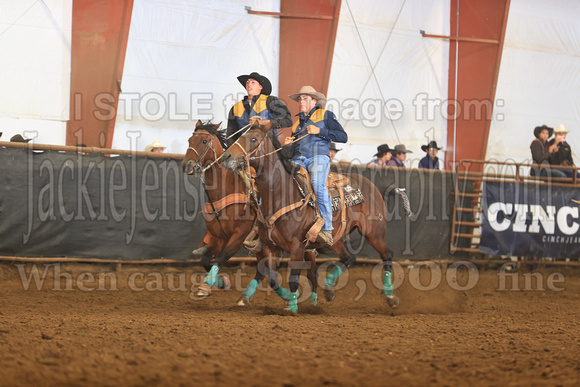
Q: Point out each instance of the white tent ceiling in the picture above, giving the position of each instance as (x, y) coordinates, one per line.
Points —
(184, 56)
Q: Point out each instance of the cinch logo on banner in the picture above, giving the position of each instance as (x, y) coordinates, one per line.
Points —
(530, 220)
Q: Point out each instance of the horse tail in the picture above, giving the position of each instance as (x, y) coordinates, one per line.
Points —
(402, 192)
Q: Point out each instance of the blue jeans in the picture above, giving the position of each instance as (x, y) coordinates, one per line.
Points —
(318, 167)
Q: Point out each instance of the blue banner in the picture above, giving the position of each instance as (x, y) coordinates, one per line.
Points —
(530, 220)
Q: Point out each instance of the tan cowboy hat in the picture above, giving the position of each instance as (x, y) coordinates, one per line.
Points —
(401, 149)
(308, 90)
(560, 129)
(155, 144)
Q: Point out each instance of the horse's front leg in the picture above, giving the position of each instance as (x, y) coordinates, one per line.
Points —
(312, 274)
(267, 266)
(295, 265)
(215, 245)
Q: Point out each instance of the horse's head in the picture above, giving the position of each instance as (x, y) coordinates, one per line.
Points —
(244, 148)
(205, 146)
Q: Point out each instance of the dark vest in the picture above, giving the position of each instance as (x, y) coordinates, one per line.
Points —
(258, 109)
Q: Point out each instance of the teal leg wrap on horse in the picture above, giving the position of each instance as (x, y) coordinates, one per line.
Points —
(313, 299)
(250, 289)
(387, 285)
(331, 278)
(283, 293)
(293, 303)
(212, 276)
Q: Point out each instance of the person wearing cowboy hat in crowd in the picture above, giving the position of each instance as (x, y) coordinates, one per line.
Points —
(334, 164)
(382, 156)
(399, 156)
(19, 138)
(430, 161)
(562, 154)
(312, 151)
(257, 107)
(542, 152)
(155, 147)
(333, 151)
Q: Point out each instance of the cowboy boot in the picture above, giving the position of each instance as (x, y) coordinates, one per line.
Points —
(325, 236)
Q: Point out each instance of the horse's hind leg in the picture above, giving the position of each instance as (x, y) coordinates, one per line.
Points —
(346, 261)
(380, 245)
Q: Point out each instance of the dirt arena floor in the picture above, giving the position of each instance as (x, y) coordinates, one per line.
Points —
(101, 325)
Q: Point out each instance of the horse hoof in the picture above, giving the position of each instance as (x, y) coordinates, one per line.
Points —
(244, 300)
(227, 282)
(292, 308)
(204, 290)
(329, 294)
(313, 299)
(200, 251)
(393, 302)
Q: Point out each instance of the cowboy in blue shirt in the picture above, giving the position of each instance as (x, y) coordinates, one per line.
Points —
(312, 151)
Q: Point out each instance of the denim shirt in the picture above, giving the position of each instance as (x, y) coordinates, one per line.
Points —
(317, 144)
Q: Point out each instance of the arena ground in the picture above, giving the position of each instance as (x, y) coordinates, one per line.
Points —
(135, 326)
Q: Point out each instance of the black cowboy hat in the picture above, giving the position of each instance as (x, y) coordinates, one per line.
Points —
(432, 144)
(382, 149)
(19, 138)
(538, 129)
(333, 147)
(262, 80)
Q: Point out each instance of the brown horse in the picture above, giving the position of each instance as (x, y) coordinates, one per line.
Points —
(229, 216)
(288, 230)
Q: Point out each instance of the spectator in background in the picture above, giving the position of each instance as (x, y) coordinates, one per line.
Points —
(81, 151)
(382, 156)
(542, 152)
(19, 138)
(399, 156)
(430, 161)
(562, 154)
(155, 147)
(333, 151)
(335, 166)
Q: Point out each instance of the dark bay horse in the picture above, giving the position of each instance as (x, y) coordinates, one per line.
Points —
(287, 230)
(229, 215)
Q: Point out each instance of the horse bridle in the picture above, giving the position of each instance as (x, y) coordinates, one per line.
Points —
(209, 147)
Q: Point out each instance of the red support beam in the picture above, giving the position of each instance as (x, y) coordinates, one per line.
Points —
(100, 30)
(474, 62)
(306, 45)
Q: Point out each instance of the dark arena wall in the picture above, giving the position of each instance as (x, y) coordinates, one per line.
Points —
(56, 204)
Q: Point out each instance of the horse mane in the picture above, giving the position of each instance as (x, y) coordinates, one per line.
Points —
(284, 156)
(220, 134)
